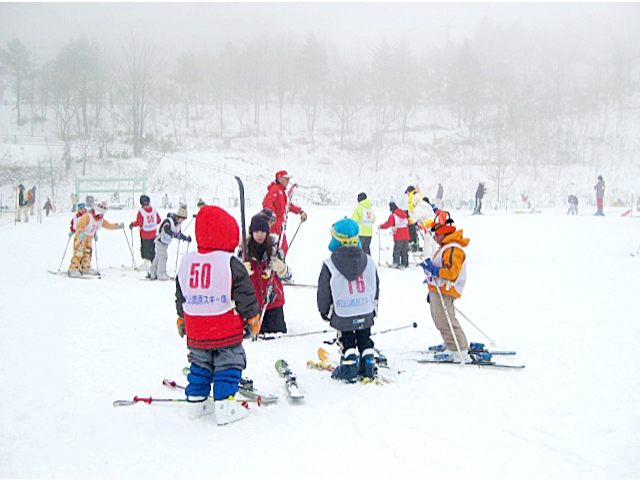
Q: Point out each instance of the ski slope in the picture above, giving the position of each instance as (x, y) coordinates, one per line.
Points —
(562, 291)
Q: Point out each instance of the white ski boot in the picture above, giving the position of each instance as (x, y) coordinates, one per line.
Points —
(229, 410)
(200, 406)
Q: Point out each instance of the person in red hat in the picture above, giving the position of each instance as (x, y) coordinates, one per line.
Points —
(446, 276)
(277, 200)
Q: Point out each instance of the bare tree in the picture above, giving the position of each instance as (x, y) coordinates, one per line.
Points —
(16, 59)
(136, 75)
(348, 93)
(314, 71)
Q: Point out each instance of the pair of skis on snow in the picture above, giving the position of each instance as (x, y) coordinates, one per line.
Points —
(477, 361)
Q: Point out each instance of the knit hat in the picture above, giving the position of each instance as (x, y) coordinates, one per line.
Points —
(100, 208)
(82, 205)
(362, 196)
(410, 188)
(443, 224)
(393, 207)
(259, 223)
(282, 174)
(144, 200)
(216, 230)
(344, 232)
(201, 203)
(182, 212)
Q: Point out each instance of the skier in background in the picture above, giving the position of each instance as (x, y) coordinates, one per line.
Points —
(261, 260)
(446, 270)
(573, 205)
(599, 188)
(82, 209)
(439, 194)
(170, 228)
(414, 242)
(365, 218)
(480, 191)
(215, 329)
(23, 209)
(86, 229)
(347, 298)
(147, 220)
(47, 206)
(399, 223)
(278, 201)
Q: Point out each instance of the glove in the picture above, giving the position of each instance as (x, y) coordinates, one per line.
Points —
(120, 226)
(247, 265)
(70, 234)
(81, 236)
(428, 266)
(131, 226)
(303, 216)
(180, 325)
(278, 266)
(254, 326)
(188, 239)
(95, 237)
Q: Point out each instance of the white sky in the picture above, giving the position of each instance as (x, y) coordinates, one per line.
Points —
(46, 27)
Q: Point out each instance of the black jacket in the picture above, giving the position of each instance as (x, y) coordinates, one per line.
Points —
(351, 262)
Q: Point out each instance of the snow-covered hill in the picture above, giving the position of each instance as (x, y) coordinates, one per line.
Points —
(560, 290)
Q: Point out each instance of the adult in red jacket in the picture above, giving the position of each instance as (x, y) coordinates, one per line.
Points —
(399, 222)
(147, 220)
(277, 200)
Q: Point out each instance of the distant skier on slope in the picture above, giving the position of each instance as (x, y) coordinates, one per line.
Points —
(348, 289)
(599, 188)
(278, 201)
(365, 218)
(170, 228)
(147, 220)
(398, 222)
(215, 328)
(86, 230)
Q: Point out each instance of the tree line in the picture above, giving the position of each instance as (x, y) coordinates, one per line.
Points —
(519, 97)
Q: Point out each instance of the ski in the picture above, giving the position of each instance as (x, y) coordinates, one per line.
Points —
(477, 364)
(81, 277)
(325, 364)
(257, 399)
(243, 217)
(285, 372)
(492, 352)
(247, 389)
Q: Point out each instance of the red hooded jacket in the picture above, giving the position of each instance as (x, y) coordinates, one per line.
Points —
(399, 232)
(276, 200)
(216, 230)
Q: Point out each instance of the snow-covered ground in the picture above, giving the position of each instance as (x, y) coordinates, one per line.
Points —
(562, 291)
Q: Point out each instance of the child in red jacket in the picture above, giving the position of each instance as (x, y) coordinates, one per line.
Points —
(399, 222)
(214, 301)
(147, 220)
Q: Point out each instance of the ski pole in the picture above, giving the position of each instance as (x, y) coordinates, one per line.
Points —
(412, 325)
(379, 244)
(177, 255)
(493, 342)
(96, 247)
(149, 400)
(294, 235)
(65, 253)
(133, 261)
(173, 384)
(446, 314)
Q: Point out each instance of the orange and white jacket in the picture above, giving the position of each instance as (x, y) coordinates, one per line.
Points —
(89, 225)
(451, 259)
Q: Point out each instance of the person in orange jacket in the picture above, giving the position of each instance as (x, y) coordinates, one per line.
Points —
(446, 276)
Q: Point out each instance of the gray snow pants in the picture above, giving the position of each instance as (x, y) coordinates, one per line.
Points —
(159, 265)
